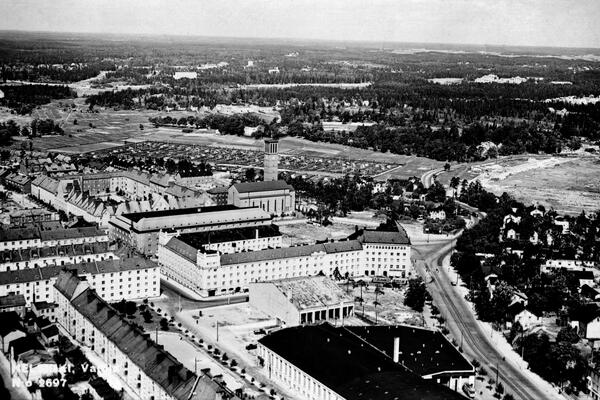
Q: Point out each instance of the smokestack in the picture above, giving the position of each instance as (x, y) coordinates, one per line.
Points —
(396, 353)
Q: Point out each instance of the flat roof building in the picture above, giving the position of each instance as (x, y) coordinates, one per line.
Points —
(323, 362)
(303, 300)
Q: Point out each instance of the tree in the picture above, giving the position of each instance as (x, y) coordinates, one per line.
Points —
(164, 324)
(447, 167)
(415, 295)
(250, 174)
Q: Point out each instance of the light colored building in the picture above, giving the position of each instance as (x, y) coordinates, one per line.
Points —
(141, 230)
(304, 300)
(555, 265)
(146, 368)
(215, 272)
(271, 169)
(114, 280)
(31, 216)
(38, 237)
(274, 197)
(40, 257)
(527, 319)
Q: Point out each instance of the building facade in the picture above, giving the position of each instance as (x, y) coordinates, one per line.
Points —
(274, 197)
(146, 368)
(114, 280)
(141, 230)
(220, 272)
(296, 301)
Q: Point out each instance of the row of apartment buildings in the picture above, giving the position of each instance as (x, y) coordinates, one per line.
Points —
(145, 367)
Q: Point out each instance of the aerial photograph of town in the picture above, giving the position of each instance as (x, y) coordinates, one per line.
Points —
(299, 200)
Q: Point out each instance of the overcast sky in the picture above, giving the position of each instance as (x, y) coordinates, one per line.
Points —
(512, 22)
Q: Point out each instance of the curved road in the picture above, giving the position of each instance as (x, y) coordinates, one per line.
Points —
(476, 342)
(428, 177)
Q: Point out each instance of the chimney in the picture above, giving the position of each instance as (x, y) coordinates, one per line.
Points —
(396, 353)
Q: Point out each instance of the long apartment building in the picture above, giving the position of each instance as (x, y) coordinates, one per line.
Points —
(114, 280)
(36, 236)
(145, 367)
(188, 261)
(141, 230)
(85, 195)
(40, 257)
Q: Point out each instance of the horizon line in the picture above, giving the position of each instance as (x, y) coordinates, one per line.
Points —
(296, 39)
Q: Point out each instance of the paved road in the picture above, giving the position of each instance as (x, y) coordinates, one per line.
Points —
(476, 342)
(428, 177)
(173, 299)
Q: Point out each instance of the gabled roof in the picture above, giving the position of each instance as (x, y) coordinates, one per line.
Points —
(262, 186)
(158, 364)
(381, 237)
(10, 322)
(12, 300)
(289, 252)
(25, 344)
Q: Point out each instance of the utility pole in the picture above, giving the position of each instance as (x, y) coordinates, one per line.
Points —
(217, 330)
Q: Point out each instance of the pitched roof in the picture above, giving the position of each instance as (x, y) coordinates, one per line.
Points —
(94, 267)
(25, 344)
(10, 322)
(374, 236)
(289, 252)
(12, 300)
(262, 186)
(158, 364)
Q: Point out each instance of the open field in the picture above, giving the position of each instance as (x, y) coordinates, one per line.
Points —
(107, 128)
(569, 185)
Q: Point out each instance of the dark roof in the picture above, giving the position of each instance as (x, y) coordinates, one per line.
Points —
(25, 344)
(7, 235)
(386, 237)
(135, 217)
(218, 190)
(199, 239)
(94, 267)
(262, 186)
(50, 330)
(158, 364)
(12, 300)
(289, 252)
(579, 274)
(42, 305)
(349, 366)
(10, 322)
(423, 351)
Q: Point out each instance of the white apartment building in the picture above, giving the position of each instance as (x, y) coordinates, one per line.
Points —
(114, 280)
(215, 272)
(40, 257)
(141, 230)
(36, 237)
(146, 368)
